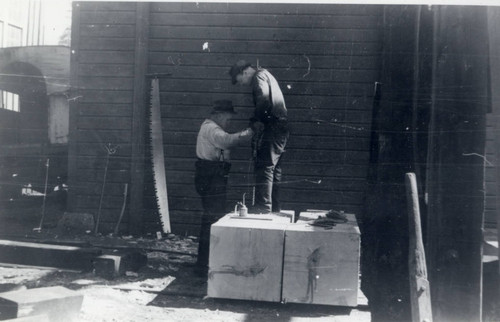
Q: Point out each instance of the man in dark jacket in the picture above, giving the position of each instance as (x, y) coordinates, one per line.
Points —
(271, 126)
(213, 146)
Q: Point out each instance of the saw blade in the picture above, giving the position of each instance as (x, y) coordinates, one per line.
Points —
(158, 158)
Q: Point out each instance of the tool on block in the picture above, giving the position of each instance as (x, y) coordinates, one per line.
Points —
(330, 219)
(240, 209)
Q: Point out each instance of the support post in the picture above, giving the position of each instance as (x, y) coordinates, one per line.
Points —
(494, 32)
(456, 162)
(139, 117)
(73, 108)
(421, 310)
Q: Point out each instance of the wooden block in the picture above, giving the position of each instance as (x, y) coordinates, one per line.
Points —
(34, 318)
(106, 266)
(58, 303)
(321, 266)
(48, 255)
(246, 259)
(116, 263)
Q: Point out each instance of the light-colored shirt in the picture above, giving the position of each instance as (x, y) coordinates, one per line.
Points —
(213, 143)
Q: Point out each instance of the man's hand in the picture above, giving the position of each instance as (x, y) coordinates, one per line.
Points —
(246, 134)
(257, 127)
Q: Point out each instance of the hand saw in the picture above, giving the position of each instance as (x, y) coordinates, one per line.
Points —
(157, 156)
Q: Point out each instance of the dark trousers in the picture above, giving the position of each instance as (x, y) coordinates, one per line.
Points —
(210, 182)
(267, 180)
(268, 167)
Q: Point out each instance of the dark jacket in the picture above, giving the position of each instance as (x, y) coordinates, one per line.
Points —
(268, 98)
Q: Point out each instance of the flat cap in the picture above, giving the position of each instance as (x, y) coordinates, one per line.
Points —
(237, 69)
(223, 106)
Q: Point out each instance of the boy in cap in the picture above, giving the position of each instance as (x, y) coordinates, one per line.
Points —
(213, 146)
(271, 126)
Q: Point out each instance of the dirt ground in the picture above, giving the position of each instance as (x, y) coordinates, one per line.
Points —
(166, 289)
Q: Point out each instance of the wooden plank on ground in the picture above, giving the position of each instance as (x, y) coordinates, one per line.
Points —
(48, 255)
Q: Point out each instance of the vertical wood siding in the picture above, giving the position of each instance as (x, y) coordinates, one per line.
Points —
(326, 58)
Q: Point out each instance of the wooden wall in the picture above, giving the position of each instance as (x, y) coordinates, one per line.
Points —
(326, 58)
(491, 173)
(102, 74)
(492, 163)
